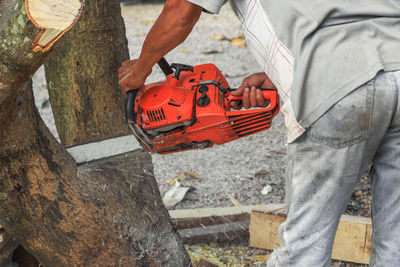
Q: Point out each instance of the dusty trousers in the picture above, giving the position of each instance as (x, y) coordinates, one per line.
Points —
(324, 166)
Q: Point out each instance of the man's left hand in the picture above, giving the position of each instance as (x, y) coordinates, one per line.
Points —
(250, 90)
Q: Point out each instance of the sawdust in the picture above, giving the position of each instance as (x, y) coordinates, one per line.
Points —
(226, 255)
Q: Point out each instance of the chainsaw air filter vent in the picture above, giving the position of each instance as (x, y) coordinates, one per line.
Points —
(156, 115)
(248, 124)
(178, 97)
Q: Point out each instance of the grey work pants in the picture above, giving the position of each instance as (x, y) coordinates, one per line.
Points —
(324, 166)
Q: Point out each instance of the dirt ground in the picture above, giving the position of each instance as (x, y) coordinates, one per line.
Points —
(250, 170)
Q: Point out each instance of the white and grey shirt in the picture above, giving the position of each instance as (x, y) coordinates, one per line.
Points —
(333, 47)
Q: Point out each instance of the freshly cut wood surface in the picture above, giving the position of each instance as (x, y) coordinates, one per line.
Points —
(54, 17)
(352, 241)
(54, 14)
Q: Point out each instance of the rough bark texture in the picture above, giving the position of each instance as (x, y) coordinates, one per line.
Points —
(105, 214)
(82, 76)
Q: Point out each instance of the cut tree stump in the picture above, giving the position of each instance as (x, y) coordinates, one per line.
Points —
(352, 241)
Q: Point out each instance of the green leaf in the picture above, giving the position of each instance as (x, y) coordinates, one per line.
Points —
(44, 104)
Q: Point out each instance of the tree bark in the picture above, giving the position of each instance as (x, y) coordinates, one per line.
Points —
(82, 76)
(105, 214)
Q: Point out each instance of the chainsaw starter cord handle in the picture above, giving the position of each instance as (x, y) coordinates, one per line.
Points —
(130, 106)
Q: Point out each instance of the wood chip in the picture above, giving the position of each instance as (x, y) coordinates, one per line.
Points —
(234, 201)
(238, 42)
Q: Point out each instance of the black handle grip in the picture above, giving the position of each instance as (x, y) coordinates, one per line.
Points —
(130, 113)
(179, 68)
(262, 89)
(165, 67)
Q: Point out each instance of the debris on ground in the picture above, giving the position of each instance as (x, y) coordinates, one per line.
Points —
(226, 255)
(238, 42)
(234, 201)
(175, 195)
(266, 190)
(187, 176)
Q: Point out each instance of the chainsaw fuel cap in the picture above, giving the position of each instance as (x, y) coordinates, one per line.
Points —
(203, 100)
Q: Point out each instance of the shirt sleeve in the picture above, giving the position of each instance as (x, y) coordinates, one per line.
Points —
(209, 6)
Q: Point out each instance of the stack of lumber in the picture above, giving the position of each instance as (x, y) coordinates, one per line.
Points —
(352, 241)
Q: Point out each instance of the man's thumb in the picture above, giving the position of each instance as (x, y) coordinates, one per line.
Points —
(239, 91)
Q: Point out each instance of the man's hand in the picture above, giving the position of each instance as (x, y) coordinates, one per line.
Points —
(129, 77)
(249, 89)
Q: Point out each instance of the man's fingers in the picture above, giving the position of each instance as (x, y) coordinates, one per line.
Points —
(126, 66)
(253, 97)
(234, 105)
(246, 98)
(260, 99)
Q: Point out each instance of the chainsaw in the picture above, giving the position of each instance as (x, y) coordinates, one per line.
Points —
(190, 109)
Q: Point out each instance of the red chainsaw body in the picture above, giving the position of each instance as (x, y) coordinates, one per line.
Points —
(187, 113)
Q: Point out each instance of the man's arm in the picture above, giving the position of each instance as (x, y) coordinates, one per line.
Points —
(174, 24)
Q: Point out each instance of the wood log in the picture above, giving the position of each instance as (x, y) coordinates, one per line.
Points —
(352, 242)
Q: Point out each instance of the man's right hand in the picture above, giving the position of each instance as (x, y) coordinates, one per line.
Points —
(129, 77)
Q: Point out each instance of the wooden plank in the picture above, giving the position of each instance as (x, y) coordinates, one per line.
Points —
(352, 241)
(225, 224)
(264, 230)
(236, 232)
(190, 218)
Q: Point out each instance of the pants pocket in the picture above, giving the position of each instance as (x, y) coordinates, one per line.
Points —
(348, 121)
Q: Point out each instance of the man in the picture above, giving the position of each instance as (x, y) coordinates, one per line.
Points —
(341, 108)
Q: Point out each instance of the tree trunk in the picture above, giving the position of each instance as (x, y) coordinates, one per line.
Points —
(82, 76)
(94, 215)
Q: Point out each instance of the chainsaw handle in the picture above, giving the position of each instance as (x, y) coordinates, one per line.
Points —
(130, 106)
(270, 95)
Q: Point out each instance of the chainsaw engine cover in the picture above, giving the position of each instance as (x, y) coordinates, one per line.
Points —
(191, 110)
(162, 105)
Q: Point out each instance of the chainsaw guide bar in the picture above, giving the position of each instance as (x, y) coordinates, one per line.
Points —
(190, 109)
